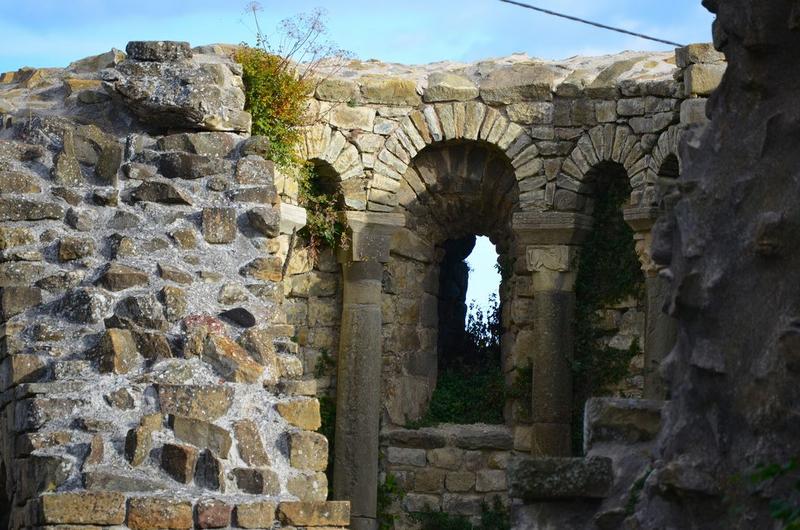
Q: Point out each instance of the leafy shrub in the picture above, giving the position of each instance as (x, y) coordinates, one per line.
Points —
(470, 386)
(327, 412)
(279, 74)
(784, 510)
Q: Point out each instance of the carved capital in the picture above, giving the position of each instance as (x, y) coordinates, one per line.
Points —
(551, 228)
(370, 235)
(553, 267)
(641, 220)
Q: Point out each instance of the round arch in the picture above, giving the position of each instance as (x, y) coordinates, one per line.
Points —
(443, 123)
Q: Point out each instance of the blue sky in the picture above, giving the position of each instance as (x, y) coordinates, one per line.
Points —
(56, 32)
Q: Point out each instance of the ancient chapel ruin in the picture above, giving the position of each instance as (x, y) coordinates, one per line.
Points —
(166, 337)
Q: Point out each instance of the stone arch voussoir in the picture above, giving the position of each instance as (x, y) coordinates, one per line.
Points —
(442, 122)
(607, 143)
(666, 146)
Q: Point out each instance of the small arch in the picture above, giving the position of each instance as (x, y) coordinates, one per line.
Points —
(447, 123)
(603, 144)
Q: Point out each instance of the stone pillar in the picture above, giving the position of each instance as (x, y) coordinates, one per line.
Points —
(660, 329)
(553, 268)
(358, 388)
(551, 242)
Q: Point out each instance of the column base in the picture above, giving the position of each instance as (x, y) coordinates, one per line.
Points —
(363, 523)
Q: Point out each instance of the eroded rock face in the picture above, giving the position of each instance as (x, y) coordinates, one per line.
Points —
(734, 266)
(166, 87)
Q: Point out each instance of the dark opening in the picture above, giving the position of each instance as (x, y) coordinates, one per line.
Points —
(5, 502)
(470, 386)
(608, 274)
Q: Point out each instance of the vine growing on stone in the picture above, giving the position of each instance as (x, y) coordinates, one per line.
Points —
(608, 272)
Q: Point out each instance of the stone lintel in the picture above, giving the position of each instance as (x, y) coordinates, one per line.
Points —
(370, 235)
(551, 228)
(641, 218)
(293, 218)
(548, 478)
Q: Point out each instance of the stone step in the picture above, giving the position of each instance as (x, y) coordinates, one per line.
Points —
(554, 478)
(620, 420)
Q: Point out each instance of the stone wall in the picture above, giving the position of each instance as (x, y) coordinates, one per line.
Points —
(450, 468)
(164, 331)
(149, 375)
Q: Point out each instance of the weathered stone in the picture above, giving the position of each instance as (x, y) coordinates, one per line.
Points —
(72, 248)
(120, 399)
(210, 144)
(257, 481)
(256, 145)
(446, 86)
(703, 79)
(389, 90)
(219, 225)
(139, 442)
(259, 344)
(621, 420)
(26, 210)
(158, 50)
(209, 472)
(230, 360)
(346, 117)
(698, 54)
(482, 437)
(308, 487)
(218, 107)
(119, 277)
(86, 305)
(460, 481)
(18, 182)
(163, 192)
(265, 269)
(544, 478)
(308, 450)
(248, 441)
(266, 221)
(16, 300)
(67, 169)
(332, 513)
(175, 302)
(254, 170)
(490, 480)
(21, 368)
(142, 310)
(531, 113)
(303, 413)
(117, 352)
(83, 508)
(180, 165)
(446, 457)
(212, 513)
(198, 402)
(185, 237)
(173, 274)
(429, 481)
(519, 82)
(152, 345)
(151, 513)
(202, 434)
(96, 451)
(11, 236)
(406, 457)
(179, 461)
(114, 480)
(255, 514)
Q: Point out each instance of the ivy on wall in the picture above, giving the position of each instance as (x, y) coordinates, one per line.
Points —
(608, 273)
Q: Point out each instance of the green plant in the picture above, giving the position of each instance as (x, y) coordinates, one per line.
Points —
(470, 387)
(636, 492)
(325, 363)
(327, 413)
(279, 74)
(321, 195)
(494, 517)
(388, 492)
(787, 511)
(608, 272)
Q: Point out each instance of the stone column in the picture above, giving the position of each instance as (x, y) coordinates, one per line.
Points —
(358, 387)
(551, 242)
(660, 329)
